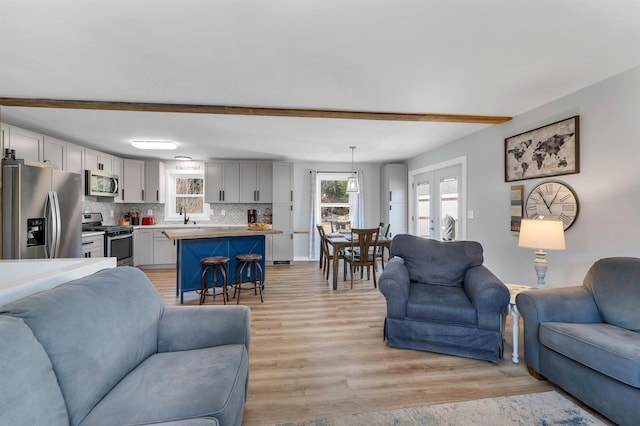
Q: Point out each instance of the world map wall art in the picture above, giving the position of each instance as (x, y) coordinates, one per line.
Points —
(551, 150)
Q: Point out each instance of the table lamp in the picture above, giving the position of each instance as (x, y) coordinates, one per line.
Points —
(542, 235)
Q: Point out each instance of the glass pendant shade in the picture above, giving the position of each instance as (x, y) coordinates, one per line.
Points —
(352, 184)
(352, 181)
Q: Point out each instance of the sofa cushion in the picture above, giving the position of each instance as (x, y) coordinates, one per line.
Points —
(95, 330)
(29, 393)
(207, 382)
(615, 285)
(610, 350)
(440, 303)
(437, 262)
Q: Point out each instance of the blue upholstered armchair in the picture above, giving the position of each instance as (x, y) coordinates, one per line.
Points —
(440, 298)
(586, 339)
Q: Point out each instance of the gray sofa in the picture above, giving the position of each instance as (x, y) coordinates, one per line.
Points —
(440, 298)
(586, 339)
(103, 350)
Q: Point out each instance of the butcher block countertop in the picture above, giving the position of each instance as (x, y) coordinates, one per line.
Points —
(190, 234)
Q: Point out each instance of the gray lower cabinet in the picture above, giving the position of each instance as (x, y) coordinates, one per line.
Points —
(93, 245)
(152, 248)
(164, 249)
(142, 247)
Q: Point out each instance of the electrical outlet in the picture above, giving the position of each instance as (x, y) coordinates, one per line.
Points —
(222, 213)
(470, 214)
(111, 213)
(149, 212)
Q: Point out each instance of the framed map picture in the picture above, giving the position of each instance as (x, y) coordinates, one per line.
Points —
(551, 150)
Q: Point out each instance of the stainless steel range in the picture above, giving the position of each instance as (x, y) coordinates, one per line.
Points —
(118, 239)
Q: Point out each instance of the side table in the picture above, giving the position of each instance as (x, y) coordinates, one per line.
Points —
(512, 310)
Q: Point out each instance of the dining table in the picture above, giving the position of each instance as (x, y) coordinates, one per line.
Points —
(340, 241)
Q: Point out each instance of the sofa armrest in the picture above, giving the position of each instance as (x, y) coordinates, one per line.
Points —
(195, 327)
(565, 304)
(394, 285)
(488, 295)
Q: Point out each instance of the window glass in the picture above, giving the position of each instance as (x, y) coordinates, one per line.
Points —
(335, 203)
(185, 193)
(189, 195)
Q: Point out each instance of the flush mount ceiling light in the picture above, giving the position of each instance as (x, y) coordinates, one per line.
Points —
(154, 144)
(352, 181)
(182, 158)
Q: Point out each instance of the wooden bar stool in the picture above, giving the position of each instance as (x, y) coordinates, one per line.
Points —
(215, 264)
(252, 262)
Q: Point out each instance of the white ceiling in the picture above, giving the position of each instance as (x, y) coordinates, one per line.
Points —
(490, 57)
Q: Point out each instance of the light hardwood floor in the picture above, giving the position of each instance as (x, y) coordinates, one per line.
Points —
(316, 353)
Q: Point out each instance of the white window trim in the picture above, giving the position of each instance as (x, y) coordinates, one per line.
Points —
(336, 176)
(170, 204)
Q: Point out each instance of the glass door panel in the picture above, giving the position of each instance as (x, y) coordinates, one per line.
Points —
(437, 207)
(449, 208)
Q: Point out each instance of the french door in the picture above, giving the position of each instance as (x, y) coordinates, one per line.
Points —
(437, 203)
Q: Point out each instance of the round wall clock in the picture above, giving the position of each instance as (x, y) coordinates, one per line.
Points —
(555, 200)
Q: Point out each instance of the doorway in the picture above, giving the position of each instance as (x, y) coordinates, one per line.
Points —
(438, 200)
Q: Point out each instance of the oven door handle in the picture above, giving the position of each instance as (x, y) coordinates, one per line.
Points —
(120, 237)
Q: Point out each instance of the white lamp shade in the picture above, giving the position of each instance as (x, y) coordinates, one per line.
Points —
(542, 234)
(352, 184)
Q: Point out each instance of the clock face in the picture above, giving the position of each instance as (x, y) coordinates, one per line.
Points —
(554, 200)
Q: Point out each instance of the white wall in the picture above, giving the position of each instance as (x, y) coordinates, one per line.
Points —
(608, 185)
(302, 200)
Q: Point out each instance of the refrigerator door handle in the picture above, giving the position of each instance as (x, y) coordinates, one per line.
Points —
(58, 235)
(49, 231)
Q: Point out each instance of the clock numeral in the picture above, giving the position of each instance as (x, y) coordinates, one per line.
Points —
(532, 208)
(568, 207)
(565, 198)
(549, 188)
(566, 219)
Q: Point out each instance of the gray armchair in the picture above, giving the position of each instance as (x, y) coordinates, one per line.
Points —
(586, 339)
(440, 298)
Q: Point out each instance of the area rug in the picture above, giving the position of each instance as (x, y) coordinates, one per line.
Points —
(539, 409)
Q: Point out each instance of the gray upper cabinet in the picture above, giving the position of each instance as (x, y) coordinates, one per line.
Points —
(282, 182)
(132, 182)
(27, 145)
(95, 160)
(222, 183)
(256, 182)
(154, 182)
(74, 161)
(4, 134)
(55, 152)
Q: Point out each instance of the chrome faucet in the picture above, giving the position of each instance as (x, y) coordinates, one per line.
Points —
(186, 218)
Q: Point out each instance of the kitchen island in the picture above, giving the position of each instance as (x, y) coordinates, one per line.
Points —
(195, 244)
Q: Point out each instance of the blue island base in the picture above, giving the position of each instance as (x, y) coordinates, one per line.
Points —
(190, 251)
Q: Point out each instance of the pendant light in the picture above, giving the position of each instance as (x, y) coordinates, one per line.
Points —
(352, 181)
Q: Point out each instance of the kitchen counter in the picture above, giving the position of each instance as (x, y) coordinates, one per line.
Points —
(20, 278)
(187, 226)
(189, 234)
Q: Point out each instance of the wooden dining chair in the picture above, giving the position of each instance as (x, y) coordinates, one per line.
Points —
(322, 237)
(384, 232)
(326, 253)
(363, 253)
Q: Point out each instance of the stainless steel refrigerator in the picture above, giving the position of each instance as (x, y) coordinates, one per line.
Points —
(41, 213)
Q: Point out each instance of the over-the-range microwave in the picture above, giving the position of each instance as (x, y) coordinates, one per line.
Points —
(101, 184)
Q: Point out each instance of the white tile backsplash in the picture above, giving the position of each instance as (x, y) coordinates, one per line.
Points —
(235, 214)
